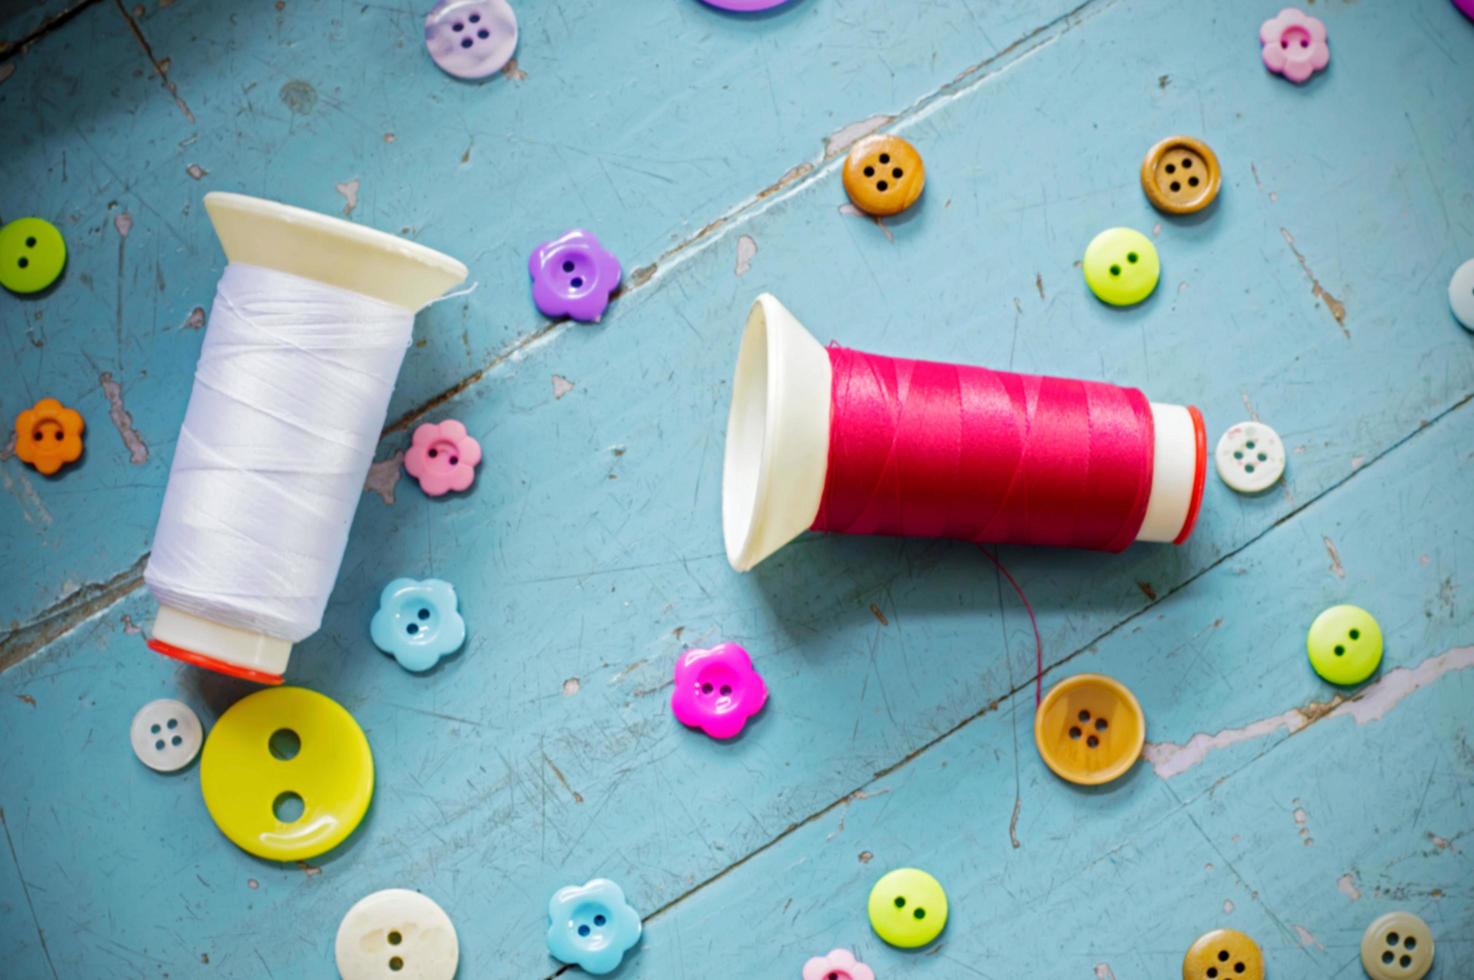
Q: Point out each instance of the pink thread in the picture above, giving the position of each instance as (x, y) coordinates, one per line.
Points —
(1038, 640)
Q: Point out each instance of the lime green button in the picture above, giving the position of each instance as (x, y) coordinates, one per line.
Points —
(1345, 645)
(1121, 266)
(908, 908)
(32, 253)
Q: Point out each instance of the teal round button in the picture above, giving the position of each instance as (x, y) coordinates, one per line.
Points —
(32, 254)
(1345, 645)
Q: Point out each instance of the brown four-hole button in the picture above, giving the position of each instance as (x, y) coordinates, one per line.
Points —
(1223, 954)
(883, 175)
(1180, 175)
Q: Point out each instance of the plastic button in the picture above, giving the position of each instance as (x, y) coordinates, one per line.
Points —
(1461, 291)
(1465, 7)
(1345, 645)
(1223, 954)
(1180, 175)
(286, 774)
(398, 933)
(1121, 266)
(745, 6)
(418, 622)
(840, 964)
(471, 38)
(1294, 44)
(1089, 729)
(883, 175)
(592, 926)
(48, 435)
(442, 457)
(32, 255)
(573, 276)
(1250, 457)
(166, 735)
(1397, 946)
(908, 908)
(717, 690)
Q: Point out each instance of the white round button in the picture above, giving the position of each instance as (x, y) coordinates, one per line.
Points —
(166, 735)
(397, 933)
(1250, 457)
(1461, 294)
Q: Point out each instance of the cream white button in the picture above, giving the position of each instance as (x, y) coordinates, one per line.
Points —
(1250, 457)
(399, 934)
(1461, 294)
(166, 735)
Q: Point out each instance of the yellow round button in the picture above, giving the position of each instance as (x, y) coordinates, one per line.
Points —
(1089, 729)
(883, 175)
(1397, 946)
(286, 774)
(32, 253)
(1121, 266)
(1345, 645)
(908, 908)
(1223, 954)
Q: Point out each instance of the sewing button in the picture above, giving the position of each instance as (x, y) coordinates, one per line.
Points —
(442, 457)
(1397, 946)
(908, 908)
(840, 964)
(883, 175)
(717, 690)
(1250, 457)
(1294, 44)
(286, 774)
(1461, 290)
(573, 276)
(396, 932)
(1345, 645)
(1089, 729)
(744, 6)
(471, 38)
(32, 254)
(418, 622)
(1465, 7)
(1121, 266)
(1180, 175)
(592, 926)
(1223, 954)
(166, 735)
(48, 435)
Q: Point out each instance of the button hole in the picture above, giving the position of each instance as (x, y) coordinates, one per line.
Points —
(1131, 257)
(433, 453)
(458, 26)
(919, 913)
(412, 628)
(881, 185)
(1171, 168)
(396, 964)
(1115, 270)
(726, 690)
(885, 158)
(423, 613)
(176, 740)
(706, 688)
(1340, 649)
(284, 744)
(869, 171)
(395, 938)
(475, 18)
(896, 172)
(288, 807)
(584, 930)
(1176, 186)
(1075, 732)
(576, 282)
(23, 262)
(1092, 741)
(900, 902)
(483, 34)
(1356, 634)
(465, 42)
(599, 920)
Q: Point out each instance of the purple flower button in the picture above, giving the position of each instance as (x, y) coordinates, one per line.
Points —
(471, 38)
(573, 276)
(744, 6)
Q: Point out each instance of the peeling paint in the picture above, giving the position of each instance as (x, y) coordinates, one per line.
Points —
(6, 70)
(8, 452)
(1337, 308)
(1302, 824)
(850, 210)
(122, 420)
(196, 318)
(561, 386)
(1346, 885)
(349, 190)
(196, 171)
(123, 223)
(298, 96)
(842, 139)
(383, 477)
(866, 857)
(512, 71)
(1103, 970)
(1356, 462)
(1442, 843)
(571, 687)
(1307, 939)
(577, 797)
(1157, 230)
(1228, 906)
(26, 698)
(1172, 760)
(129, 627)
(1335, 557)
(32, 511)
(746, 249)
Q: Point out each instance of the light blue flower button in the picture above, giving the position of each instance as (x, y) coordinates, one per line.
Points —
(418, 622)
(592, 926)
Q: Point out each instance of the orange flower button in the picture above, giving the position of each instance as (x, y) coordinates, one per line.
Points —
(48, 435)
(883, 175)
(1223, 954)
(1089, 729)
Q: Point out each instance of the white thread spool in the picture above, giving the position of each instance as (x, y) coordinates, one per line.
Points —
(378, 268)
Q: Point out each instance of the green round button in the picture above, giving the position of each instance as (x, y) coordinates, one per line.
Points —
(1121, 266)
(1345, 645)
(908, 908)
(32, 253)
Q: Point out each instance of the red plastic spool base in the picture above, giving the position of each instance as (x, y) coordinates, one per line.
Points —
(218, 666)
(1200, 475)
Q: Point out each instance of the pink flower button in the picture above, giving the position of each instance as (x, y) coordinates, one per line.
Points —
(840, 964)
(1294, 44)
(443, 457)
(717, 690)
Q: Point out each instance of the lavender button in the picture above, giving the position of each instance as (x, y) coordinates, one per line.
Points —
(573, 276)
(744, 6)
(471, 38)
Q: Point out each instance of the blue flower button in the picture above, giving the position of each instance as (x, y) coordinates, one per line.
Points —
(418, 622)
(592, 925)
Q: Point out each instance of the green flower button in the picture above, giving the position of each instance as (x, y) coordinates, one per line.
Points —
(32, 254)
(1121, 266)
(1345, 645)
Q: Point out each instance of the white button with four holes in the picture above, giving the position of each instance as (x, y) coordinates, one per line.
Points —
(1250, 457)
(397, 933)
(166, 735)
(1461, 294)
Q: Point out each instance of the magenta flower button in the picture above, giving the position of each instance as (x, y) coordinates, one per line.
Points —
(443, 457)
(717, 690)
(1294, 44)
(573, 276)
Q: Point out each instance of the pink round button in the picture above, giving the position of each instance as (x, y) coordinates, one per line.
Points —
(1294, 44)
(471, 38)
(443, 457)
(717, 690)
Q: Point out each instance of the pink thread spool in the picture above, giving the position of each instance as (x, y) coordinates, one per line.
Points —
(780, 455)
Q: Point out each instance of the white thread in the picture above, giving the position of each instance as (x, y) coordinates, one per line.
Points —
(289, 398)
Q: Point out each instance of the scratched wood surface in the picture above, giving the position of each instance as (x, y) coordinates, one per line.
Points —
(701, 147)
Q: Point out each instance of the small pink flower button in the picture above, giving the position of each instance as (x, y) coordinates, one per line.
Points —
(840, 964)
(717, 690)
(1294, 44)
(443, 457)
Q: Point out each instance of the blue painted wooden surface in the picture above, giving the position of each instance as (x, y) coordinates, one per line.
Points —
(589, 553)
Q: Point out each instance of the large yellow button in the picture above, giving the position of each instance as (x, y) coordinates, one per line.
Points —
(286, 774)
(1089, 729)
(908, 908)
(1121, 266)
(32, 254)
(883, 175)
(1223, 954)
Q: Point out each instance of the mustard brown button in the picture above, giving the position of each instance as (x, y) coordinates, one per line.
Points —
(1223, 954)
(883, 175)
(1181, 175)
